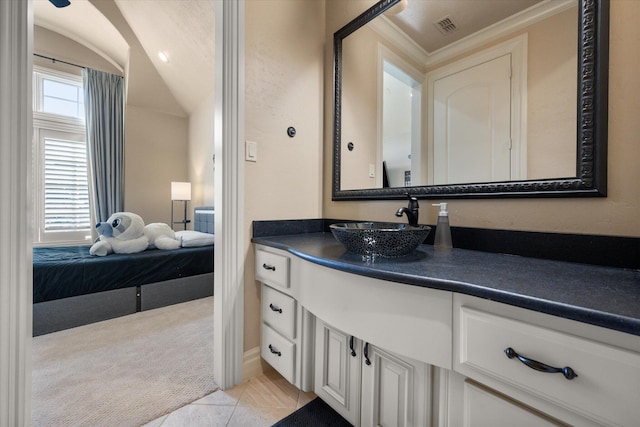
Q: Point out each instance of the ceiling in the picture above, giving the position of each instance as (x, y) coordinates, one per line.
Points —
(118, 29)
(418, 18)
(184, 31)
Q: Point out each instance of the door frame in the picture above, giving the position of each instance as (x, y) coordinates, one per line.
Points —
(417, 146)
(228, 312)
(16, 277)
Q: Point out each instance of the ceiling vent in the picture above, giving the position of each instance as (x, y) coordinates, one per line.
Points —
(446, 25)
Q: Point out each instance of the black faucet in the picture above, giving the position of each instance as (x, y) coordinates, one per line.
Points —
(411, 211)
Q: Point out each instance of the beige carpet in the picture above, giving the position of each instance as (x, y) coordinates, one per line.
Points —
(125, 371)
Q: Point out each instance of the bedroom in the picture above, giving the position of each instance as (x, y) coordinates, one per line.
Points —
(271, 194)
(162, 132)
(167, 138)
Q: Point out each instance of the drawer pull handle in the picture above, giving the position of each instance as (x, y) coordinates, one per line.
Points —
(538, 366)
(274, 350)
(269, 267)
(274, 308)
(366, 354)
(353, 352)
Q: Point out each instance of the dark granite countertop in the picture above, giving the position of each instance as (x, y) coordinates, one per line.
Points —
(602, 296)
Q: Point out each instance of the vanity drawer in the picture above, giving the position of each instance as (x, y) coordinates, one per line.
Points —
(483, 407)
(272, 268)
(607, 385)
(279, 311)
(278, 352)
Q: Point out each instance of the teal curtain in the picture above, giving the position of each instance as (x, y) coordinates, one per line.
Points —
(104, 112)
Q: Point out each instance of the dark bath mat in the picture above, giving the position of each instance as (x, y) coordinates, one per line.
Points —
(314, 414)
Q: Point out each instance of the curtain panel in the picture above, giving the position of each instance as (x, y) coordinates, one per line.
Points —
(104, 112)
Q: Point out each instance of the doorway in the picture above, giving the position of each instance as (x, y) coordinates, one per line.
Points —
(401, 127)
(400, 145)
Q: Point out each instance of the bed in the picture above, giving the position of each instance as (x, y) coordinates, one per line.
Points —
(72, 288)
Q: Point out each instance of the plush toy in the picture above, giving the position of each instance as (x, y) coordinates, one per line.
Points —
(125, 233)
(161, 236)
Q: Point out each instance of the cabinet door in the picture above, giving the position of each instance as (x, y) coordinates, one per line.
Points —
(395, 390)
(483, 408)
(337, 371)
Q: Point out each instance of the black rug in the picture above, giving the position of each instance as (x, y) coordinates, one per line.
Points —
(314, 414)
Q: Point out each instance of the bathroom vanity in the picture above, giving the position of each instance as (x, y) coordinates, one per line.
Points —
(451, 338)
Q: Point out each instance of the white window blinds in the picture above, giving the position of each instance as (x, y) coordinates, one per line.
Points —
(66, 190)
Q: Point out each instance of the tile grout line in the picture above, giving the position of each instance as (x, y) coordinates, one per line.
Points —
(235, 407)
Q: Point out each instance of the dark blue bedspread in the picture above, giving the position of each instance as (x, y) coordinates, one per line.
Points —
(64, 271)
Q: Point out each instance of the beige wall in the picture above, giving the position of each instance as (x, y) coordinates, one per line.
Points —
(618, 214)
(155, 154)
(552, 96)
(201, 149)
(283, 87)
(359, 108)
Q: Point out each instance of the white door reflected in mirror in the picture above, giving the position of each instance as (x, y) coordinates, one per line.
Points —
(472, 124)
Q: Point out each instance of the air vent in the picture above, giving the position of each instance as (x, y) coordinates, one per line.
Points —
(446, 25)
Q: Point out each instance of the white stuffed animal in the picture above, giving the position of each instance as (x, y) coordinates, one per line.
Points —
(161, 236)
(125, 233)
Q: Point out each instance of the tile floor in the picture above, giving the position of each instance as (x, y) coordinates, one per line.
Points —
(257, 402)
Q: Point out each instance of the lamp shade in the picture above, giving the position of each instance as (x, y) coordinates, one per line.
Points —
(180, 190)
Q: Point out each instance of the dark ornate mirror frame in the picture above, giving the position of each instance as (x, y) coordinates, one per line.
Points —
(592, 120)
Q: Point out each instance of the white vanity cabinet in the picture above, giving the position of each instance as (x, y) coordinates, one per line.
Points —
(395, 390)
(402, 330)
(287, 328)
(367, 385)
(590, 376)
(484, 407)
(337, 370)
(439, 358)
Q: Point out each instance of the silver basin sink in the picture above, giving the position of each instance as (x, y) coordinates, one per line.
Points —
(383, 239)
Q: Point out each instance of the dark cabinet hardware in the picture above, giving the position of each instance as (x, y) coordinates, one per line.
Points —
(269, 267)
(274, 308)
(353, 352)
(274, 350)
(538, 366)
(366, 354)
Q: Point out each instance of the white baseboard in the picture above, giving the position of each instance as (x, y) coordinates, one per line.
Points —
(251, 363)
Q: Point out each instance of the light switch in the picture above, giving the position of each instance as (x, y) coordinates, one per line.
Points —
(251, 151)
(372, 170)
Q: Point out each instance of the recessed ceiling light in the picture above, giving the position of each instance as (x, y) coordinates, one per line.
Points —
(163, 57)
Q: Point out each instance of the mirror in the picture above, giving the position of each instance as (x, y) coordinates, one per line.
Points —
(434, 144)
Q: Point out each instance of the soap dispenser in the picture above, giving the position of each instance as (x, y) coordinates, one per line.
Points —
(442, 240)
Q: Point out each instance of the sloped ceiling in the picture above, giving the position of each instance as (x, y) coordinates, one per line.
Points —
(184, 30)
(129, 34)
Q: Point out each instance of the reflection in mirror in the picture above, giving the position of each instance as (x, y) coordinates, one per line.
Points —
(486, 106)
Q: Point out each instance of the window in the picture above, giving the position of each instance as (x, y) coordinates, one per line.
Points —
(62, 213)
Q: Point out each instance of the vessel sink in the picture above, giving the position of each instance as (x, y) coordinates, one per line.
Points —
(383, 239)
